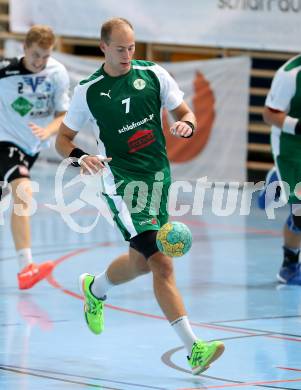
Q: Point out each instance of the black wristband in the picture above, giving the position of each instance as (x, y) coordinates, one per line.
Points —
(298, 128)
(191, 125)
(75, 154)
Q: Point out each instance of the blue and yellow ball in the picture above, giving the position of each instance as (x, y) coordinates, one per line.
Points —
(174, 239)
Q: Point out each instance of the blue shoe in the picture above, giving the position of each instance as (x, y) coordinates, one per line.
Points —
(266, 197)
(290, 274)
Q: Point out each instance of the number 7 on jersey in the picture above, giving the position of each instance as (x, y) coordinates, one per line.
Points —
(127, 104)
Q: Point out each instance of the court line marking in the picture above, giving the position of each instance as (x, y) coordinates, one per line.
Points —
(290, 369)
(24, 372)
(35, 371)
(244, 384)
(232, 228)
(257, 318)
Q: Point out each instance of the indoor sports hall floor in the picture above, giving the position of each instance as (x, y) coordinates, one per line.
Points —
(227, 280)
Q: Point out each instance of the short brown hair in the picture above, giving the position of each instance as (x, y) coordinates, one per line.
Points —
(40, 34)
(107, 27)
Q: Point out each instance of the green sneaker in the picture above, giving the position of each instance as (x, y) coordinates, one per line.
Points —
(202, 354)
(93, 306)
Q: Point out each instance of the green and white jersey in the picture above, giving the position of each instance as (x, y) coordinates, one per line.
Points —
(285, 95)
(30, 97)
(127, 111)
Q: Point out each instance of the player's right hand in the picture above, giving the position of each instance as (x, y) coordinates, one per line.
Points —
(91, 165)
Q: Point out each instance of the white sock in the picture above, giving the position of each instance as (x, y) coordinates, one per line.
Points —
(24, 257)
(183, 329)
(101, 285)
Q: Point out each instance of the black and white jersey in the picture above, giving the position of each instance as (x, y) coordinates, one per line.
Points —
(30, 97)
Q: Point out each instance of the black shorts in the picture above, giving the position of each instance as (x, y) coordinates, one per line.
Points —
(14, 163)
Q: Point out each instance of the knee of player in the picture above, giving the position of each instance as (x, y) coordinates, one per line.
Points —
(161, 265)
(23, 194)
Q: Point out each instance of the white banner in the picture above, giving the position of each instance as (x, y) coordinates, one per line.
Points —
(218, 93)
(251, 24)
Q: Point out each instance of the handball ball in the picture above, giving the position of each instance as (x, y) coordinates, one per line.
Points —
(174, 239)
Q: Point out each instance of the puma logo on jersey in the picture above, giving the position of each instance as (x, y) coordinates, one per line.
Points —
(106, 94)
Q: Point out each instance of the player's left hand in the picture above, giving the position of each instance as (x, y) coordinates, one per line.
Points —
(181, 129)
(40, 132)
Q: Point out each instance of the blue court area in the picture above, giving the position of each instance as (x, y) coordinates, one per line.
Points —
(228, 281)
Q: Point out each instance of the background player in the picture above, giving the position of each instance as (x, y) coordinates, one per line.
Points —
(283, 111)
(33, 101)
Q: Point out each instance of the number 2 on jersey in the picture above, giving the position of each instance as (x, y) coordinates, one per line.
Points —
(127, 104)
